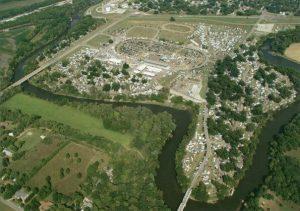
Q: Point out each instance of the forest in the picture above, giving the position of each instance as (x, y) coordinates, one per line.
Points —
(283, 39)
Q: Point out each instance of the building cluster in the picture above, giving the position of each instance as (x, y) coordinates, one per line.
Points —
(217, 38)
(261, 92)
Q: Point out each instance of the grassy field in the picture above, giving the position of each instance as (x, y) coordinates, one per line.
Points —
(294, 153)
(197, 19)
(177, 27)
(78, 162)
(142, 32)
(4, 207)
(66, 115)
(173, 36)
(8, 42)
(293, 52)
(98, 41)
(37, 149)
(278, 204)
(16, 4)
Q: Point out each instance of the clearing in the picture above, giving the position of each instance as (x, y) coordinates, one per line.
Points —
(99, 40)
(66, 115)
(74, 157)
(293, 52)
(277, 204)
(36, 149)
(142, 32)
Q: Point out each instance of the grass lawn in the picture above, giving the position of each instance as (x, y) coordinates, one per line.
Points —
(66, 115)
(69, 183)
(142, 32)
(98, 41)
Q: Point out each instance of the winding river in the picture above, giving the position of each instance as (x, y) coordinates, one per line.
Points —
(166, 175)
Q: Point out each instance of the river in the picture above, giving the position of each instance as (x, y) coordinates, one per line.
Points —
(166, 175)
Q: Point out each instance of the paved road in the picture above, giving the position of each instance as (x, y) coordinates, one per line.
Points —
(65, 52)
(201, 166)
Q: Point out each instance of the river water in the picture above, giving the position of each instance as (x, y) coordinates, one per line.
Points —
(166, 175)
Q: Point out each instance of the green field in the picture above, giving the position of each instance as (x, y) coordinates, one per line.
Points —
(142, 32)
(17, 3)
(8, 43)
(4, 207)
(294, 153)
(36, 149)
(99, 40)
(66, 115)
(86, 155)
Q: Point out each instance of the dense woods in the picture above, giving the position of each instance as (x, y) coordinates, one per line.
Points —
(283, 39)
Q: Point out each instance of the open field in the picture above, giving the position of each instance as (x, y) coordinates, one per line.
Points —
(172, 36)
(294, 153)
(142, 32)
(277, 204)
(78, 162)
(8, 42)
(293, 52)
(16, 4)
(4, 207)
(36, 149)
(66, 115)
(177, 27)
(98, 41)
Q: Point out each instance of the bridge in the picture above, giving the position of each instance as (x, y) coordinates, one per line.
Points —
(197, 174)
(62, 54)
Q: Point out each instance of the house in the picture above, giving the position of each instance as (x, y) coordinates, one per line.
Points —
(21, 194)
(7, 153)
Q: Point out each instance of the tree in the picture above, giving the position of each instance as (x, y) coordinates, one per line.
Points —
(200, 192)
(172, 19)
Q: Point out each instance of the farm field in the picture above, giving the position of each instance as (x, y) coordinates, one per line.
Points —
(36, 150)
(74, 157)
(293, 52)
(66, 115)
